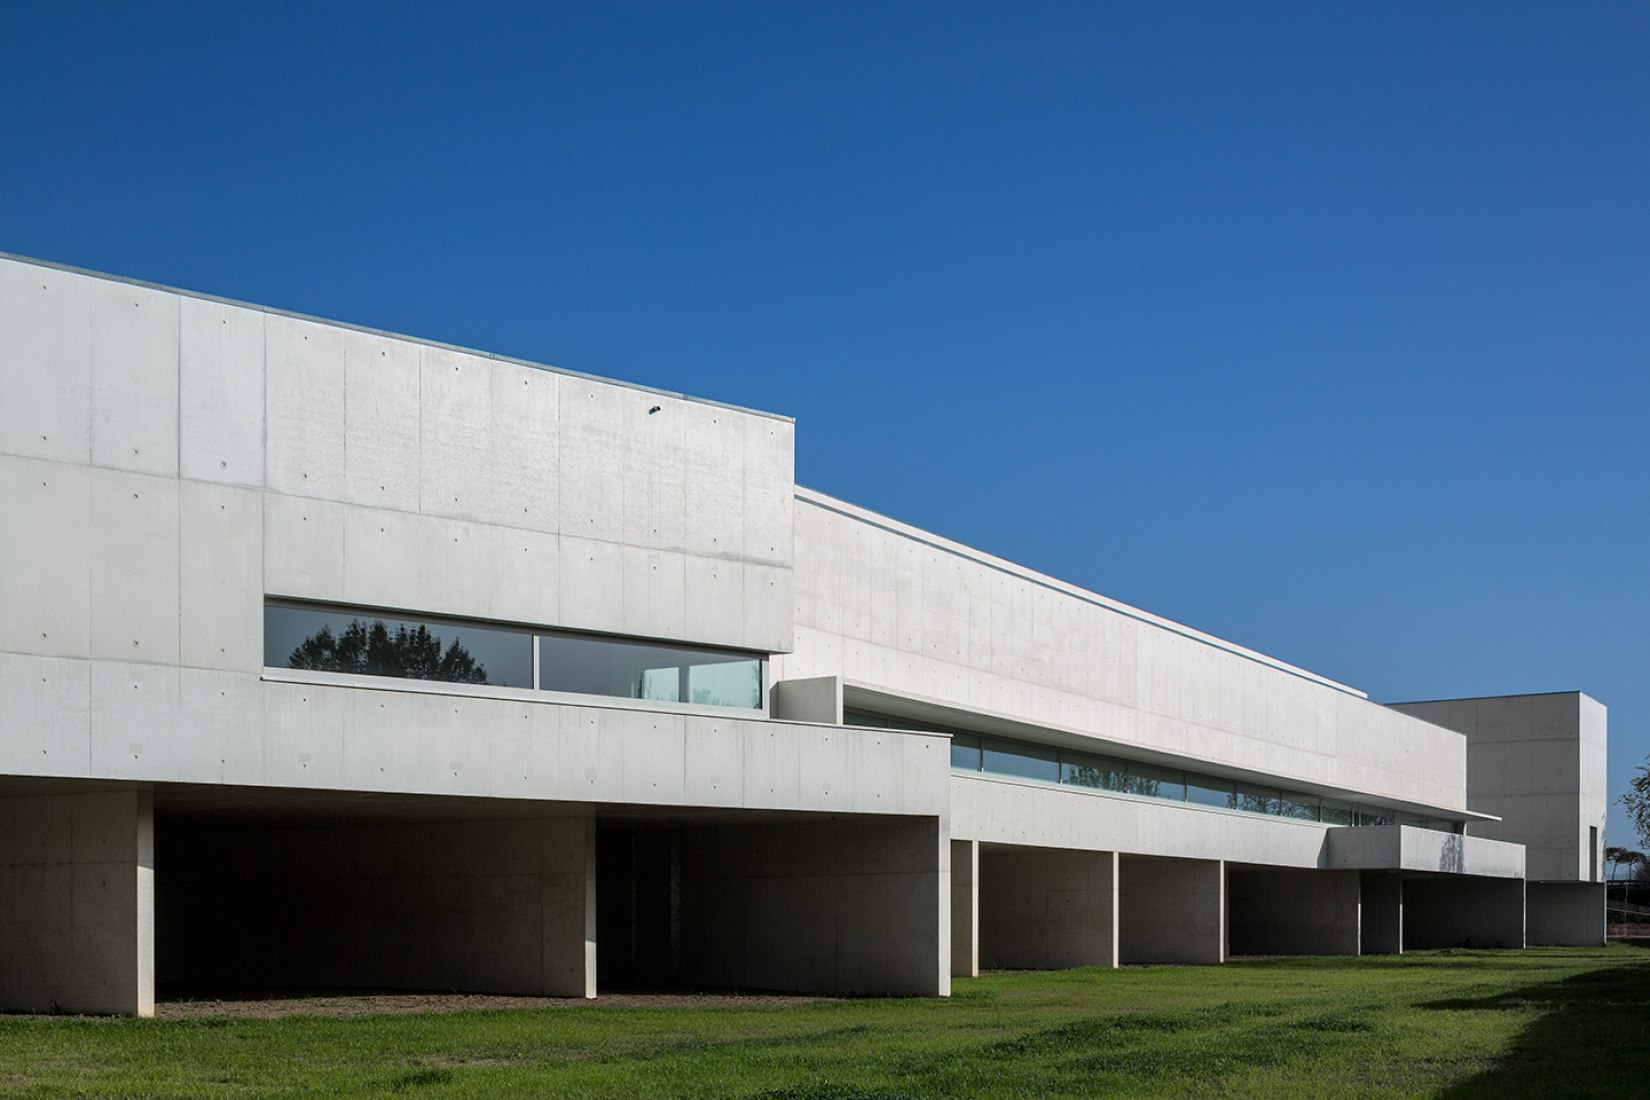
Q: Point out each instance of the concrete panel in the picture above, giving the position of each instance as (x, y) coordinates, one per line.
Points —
(524, 467)
(818, 699)
(1565, 914)
(1458, 911)
(1382, 920)
(655, 594)
(590, 580)
(1171, 910)
(220, 392)
(770, 490)
(78, 932)
(1048, 909)
(716, 601)
(965, 909)
(45, 363)
(45, 724)
(304, 548)
(304, 388)
(220, 576)
(592, 451)
(134, 377)
(655, 479)
(714, 459)
(381, 421)
(45, 552)
(454, 418)
(220, 725)
(137, 729)
(1273, 912)
(134, 567)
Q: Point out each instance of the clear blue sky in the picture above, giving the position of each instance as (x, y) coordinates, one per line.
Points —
(1323, 327)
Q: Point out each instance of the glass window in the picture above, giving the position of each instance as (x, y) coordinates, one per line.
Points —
(1301, 806)
(965, 752)
(1206, 791)
(661, 673)
(1157, 782)
(1372, 815)
(1096, 772)
(330, 640)
(1336, 813)
(1257, 800)
(1023, 761)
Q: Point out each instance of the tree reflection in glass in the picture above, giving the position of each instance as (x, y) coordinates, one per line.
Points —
(375, 650)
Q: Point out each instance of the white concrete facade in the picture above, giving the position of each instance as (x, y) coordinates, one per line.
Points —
(174, 466)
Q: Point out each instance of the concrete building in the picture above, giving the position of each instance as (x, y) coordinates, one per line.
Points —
(331, 658)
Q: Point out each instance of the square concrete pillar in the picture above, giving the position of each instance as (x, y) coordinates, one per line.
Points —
(965, 908)
(1565, 914)
(1382, 931)
(1047, 908)
(77, 903)
(1291, 912)
(1463, 911)
(1171, 910)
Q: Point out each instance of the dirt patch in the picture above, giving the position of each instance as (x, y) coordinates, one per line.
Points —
(270, 1007)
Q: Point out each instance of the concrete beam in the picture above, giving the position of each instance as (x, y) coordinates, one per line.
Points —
(1047, 909)
(1171, 910)
(77, 898)
(1286, 912)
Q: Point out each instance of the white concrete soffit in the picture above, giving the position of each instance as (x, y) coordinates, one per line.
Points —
(805, 495)
(419, 340)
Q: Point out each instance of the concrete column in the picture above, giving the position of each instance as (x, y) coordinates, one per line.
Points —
(1171, 910)
(1463, 911)
(77, 903)
(965, 908)
(1565, 914)
(1047, 909)
(1382, 931)
(1292, 912)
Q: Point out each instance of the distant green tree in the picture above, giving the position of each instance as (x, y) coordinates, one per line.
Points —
(1617, 858)
(374, 650)
(1637, 803)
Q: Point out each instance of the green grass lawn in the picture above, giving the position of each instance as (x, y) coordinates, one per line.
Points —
(1542, 1022)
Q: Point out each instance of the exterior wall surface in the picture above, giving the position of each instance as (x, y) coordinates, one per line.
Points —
(1565, 914)
(1047, 909)
(1292, 912)
(1538, 763)
(890, 608)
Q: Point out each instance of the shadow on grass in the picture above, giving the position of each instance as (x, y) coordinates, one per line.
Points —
(1593, 1034)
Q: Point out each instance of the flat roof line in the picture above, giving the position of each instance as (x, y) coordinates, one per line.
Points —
(1003, 565)
(366, 330)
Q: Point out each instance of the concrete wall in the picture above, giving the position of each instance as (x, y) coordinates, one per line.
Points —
(1565, 914)
(77, 900)
(1292, 912)
(965, 908)
(480, 906)
(891, 608)
(1408, 848)
(1001, 810)
(1171, 910)
(144, 722)
(271, 454)
(1461, 911)
(1382, 913)
(859, 905)
(1047, 909)
(1538, 763)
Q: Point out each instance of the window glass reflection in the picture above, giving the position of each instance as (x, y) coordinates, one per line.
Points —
(642, 670)
(328, 640)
